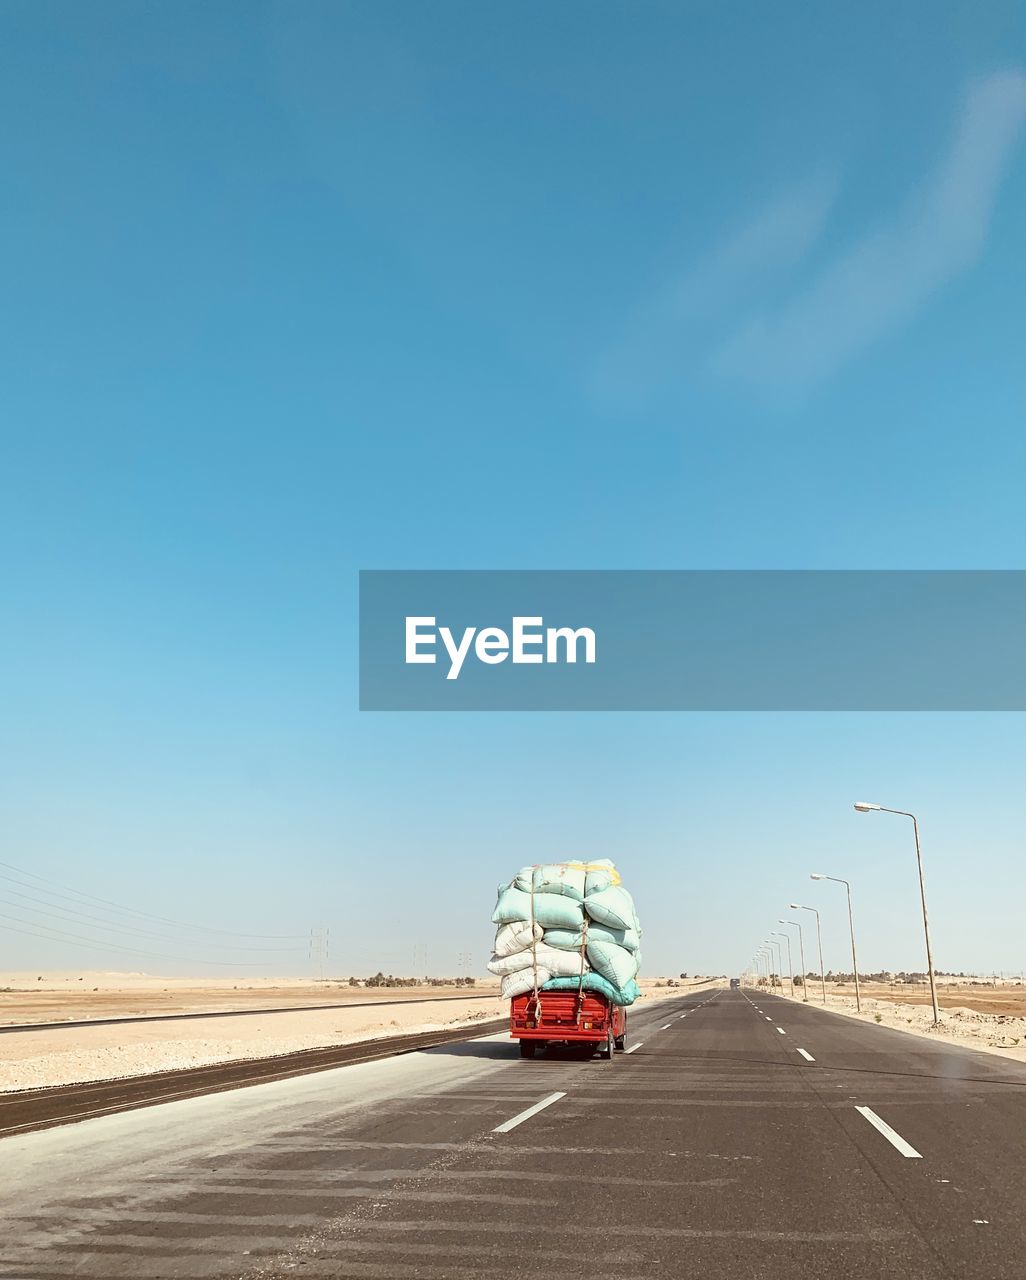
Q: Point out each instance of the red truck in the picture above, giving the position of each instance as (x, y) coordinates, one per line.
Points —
(566, 1017)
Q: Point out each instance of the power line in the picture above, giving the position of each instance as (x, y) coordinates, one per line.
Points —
(319, 948)
(55, 935)
(53, 910)
(180, 924)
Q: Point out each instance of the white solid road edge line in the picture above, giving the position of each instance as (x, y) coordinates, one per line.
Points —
(895, 1139)
(806, 1055)
(531, 1111)
(635, 1046)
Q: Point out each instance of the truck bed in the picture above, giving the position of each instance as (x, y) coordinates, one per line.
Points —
(566, 1016)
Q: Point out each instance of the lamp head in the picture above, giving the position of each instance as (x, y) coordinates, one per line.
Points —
(864, 806)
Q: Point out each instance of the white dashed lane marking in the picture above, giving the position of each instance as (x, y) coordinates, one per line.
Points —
(526, 1115)
(782, 1031)
(806, 1055)
(894, 1138)
(635, 1046)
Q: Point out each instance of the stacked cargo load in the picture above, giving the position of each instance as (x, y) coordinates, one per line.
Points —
(567, 926)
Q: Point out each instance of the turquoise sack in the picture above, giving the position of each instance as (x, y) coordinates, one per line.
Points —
(550, 910)
(571, 939)
(556, 911)
(613, 907)
(613, 962)
(625, 995)
(513, 905)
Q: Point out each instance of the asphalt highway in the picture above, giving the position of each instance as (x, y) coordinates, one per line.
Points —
(744, 1136)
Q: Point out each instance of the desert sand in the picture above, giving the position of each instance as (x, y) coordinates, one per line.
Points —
(62, 997)
(64, 1055)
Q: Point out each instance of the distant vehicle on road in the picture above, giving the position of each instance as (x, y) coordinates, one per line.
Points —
(566, 1017)
(735, 984)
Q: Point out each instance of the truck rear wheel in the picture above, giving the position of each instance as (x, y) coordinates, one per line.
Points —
(527, 1048)
(610, 1044)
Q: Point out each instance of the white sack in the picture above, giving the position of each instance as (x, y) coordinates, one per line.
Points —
(559, 963)
(516, 936)
(515, 984)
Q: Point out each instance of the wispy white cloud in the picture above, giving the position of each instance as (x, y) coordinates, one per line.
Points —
(776, 240)
(880, 281)
(665, 329)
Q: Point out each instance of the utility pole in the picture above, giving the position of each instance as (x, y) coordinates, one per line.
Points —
(319, 948)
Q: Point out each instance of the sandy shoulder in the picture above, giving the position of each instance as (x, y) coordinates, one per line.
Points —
(1003, 1034)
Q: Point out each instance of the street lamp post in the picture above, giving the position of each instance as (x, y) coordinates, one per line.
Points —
(790, 965)
(780, 960)
(851, 930)
(863, 806)
(797, 906)
(801, 952)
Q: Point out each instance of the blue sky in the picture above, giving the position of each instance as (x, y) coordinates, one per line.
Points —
(294, 290)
